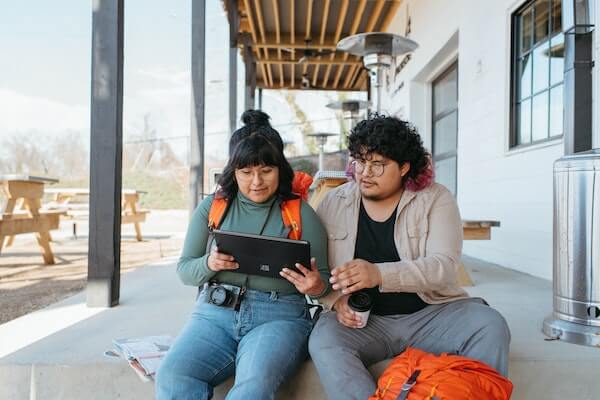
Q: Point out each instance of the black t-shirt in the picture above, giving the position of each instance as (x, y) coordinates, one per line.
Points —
(375, 243)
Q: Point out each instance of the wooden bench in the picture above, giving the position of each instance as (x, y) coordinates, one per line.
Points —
(65, 198)
(23, 212)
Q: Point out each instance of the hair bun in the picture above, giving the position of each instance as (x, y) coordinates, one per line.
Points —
(255, 118)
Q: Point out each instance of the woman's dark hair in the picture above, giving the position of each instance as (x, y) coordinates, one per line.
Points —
(256, 149)
(396, 140)
(253, 120)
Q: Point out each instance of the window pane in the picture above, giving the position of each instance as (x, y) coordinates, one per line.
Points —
(542, 20)
(526, 34)
(525, 77)
(541, 64)
(444, 134)
(557, 59)
(445, 92)
(524, 122)
(556, 16)
(445, 173)
(539, 129)
(556, 111)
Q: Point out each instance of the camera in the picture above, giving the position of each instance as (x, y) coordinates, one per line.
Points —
(224, 295)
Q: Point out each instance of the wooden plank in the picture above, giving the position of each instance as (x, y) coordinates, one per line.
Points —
(248, 10)
(374, 17)
(322, 38)
(43, 222)
(336, 61)
(16, 189)
(270, 42)
(309, 11)
(389, 16)
(476, 233)
(353, 29)
(338, 33)
(275, 4)
(133, 218)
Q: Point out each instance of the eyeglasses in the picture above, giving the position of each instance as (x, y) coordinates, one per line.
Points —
(376, 168)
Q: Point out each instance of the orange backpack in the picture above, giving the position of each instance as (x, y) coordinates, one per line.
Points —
(416, 374)
(290, 213)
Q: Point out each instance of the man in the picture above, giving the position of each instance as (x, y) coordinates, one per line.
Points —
(396, 235)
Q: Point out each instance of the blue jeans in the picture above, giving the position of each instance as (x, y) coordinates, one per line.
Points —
(264, 343)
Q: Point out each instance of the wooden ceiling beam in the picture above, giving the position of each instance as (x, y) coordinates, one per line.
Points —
(275, 4)
(353, 29)
(374, 17)
(250, 21)
(271, 42)
(262, 85)
(335, 61)
(309, 11)
(338, 33)
(389, 16)
(322, 37)
(261, 28)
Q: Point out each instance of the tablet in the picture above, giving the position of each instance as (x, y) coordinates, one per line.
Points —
(263, 255)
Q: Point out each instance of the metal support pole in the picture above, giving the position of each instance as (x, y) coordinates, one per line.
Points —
(198, 44)
(106, 145)
(321, 156)
(578, 92)
(250, 81)
(233, 31)
(260, 92)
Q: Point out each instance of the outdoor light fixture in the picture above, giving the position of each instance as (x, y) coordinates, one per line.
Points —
(321, 140)
(350, 109)
(577, 16)
(377, 50)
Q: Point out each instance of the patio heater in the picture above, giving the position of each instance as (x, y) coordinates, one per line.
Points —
(576, 258)
(321, 140)
(377, 50)
(350, 109)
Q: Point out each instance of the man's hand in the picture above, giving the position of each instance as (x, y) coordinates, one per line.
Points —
(355, 275)
(308, 282)
(221, 261)
(344, 313)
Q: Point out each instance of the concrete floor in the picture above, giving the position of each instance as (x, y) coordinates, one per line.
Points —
(57, 352)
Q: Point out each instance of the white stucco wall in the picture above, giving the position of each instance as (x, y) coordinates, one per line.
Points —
(514, 187)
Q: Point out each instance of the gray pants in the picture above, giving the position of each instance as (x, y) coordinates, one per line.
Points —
(465, 327)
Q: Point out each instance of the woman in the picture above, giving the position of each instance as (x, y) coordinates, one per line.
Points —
(266, 339)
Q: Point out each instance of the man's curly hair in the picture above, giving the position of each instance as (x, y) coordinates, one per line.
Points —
(396, 140)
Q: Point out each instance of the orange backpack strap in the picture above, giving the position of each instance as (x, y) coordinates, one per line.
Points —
(216, 213)
(290, 213)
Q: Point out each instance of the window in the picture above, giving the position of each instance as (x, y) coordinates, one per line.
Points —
(445, 127)
(537, 73)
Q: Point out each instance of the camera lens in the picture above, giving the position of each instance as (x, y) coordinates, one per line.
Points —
(219, 296)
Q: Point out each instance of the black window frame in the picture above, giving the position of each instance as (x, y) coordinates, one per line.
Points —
(515, 57)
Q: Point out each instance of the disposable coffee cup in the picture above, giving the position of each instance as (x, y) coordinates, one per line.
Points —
(361, 303)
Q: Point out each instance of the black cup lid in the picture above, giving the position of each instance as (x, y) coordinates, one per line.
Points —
(360, 301)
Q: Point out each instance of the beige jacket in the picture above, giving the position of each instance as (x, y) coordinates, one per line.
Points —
(428, 236)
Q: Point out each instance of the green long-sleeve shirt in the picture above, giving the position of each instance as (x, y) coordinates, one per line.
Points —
(246, 216)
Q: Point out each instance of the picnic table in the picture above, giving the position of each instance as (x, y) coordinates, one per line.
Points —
(23, 212)
(131, 213)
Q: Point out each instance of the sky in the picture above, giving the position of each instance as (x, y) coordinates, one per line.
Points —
(45, 69)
